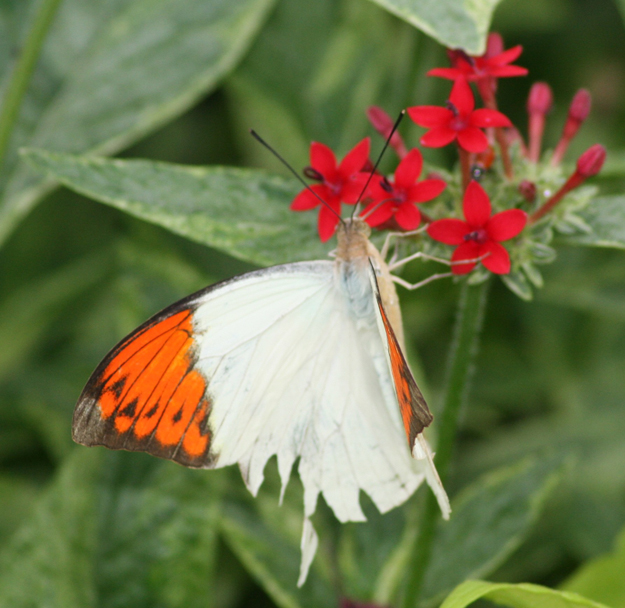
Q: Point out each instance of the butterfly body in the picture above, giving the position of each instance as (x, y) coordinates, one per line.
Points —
(300, 361)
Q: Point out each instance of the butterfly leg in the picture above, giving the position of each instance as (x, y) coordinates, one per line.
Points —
(425, 256)
(419, 255)
(396, 235)
(413, 286)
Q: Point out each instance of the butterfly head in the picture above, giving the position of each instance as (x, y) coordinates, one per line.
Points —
(353, 238)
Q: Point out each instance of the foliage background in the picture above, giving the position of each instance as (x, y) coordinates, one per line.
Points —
(81, 527)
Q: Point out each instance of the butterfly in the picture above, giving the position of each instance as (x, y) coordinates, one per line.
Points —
(302, 361)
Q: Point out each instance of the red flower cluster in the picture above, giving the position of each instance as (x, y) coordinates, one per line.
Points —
(392, 202)
(386, 198)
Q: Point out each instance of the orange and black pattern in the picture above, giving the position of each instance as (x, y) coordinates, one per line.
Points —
(414, 410)
(146, 395)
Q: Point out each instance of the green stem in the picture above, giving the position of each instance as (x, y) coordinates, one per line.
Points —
(20, 78)
(462, 353)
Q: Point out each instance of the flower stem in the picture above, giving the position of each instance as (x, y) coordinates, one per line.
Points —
(462, 354)
(22, 72)
(502, 140)
(465, 167)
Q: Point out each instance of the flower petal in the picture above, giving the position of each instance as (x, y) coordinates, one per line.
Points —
(430, 116)
(507, 56)
(449, 231)
(498, 259)
(506, 225)
(322, 160)
(489, 118)
(462, 97)
(306, 199)
(505, 71)
(353, 189)
(449, 73)
(472, 140)
(327, 221)
(409, 169)
(408, 216)
(469, 250)
(426, 190)
(355, 159)
(438, 137)
(377, 213)
(476, 205)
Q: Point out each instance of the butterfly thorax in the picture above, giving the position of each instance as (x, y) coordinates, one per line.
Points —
(354, 254)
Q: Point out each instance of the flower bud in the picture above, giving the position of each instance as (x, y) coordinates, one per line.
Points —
(580, 106)
(591, 161)
(540, 99)
(494, 45)
(588, 164)
(538, 104)
(527, 189)
(578, 112)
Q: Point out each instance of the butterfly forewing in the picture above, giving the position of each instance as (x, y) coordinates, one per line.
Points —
(148, 394)
(414, 410)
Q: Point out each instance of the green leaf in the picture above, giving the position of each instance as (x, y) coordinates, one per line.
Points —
(454, 23)
(297, 87)
(523, 595)
(265, 536)
(134, 66)
(602, 579)
(116, 529)
(18, 496)
(371, 557)
(621, 5)
(243, 212)
(26, 314)
(489, 521)
(606, 217)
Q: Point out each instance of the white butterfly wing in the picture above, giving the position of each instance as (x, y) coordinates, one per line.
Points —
(291, 372)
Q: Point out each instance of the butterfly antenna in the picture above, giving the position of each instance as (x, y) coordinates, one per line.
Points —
(375, 167)
(258, 138)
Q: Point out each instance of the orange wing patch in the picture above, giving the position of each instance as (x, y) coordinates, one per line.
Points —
(414, 410)
(146, 395)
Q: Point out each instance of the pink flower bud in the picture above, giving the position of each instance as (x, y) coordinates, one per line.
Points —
(538, 104)
(580, 105)
(494, 45)
(591, 161)
(578, 112)
(540, 99)
(588, 164)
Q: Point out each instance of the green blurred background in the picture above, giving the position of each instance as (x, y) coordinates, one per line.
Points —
(76, 276)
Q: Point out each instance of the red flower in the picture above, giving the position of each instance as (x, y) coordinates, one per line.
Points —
(480, 234)
(339, 184)
(459, 120)
(399, 198)
(486, 66)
